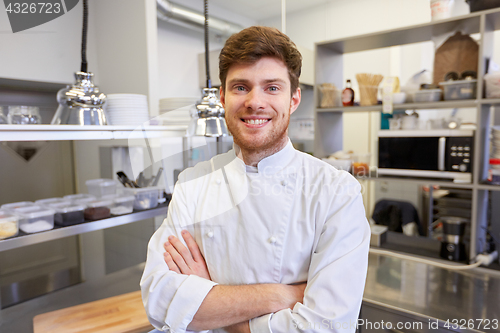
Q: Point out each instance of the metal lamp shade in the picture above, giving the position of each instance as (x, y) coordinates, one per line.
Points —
(81, 103)
(209, 120)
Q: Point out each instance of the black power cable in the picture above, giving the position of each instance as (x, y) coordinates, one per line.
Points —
(209, 82)
(83, 67)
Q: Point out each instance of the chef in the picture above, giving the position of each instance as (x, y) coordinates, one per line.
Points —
(263, 238)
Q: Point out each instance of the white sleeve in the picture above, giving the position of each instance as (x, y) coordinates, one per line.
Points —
(337, 274)
(171, 300)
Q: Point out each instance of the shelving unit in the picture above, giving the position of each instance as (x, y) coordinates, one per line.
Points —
(76, 132)
(61, 232)
(329, 124)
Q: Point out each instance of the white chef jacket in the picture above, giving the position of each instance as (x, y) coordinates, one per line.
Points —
(291, 219)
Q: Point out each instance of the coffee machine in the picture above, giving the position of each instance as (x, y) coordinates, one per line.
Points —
(452, 244)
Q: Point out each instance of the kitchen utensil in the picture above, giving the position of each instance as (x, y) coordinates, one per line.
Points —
(125, 180)
(80, 103)
(155, 180)
(141, 181)
(23, 115)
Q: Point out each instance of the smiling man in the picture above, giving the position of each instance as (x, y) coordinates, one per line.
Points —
(263, 238)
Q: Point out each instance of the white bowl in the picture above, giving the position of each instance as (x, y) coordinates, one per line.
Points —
(399, 98)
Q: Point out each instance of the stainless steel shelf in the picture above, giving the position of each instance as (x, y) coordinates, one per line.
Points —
(61, 232)
(470, 103)
(422, 181)
(488, 187)
(76, 132)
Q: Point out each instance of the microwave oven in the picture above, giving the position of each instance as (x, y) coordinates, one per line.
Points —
(436, 154)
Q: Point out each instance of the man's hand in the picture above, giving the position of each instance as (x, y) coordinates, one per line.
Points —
(243, 327)
(184, 260)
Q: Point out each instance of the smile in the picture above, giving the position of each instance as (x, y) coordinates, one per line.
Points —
(255, 121)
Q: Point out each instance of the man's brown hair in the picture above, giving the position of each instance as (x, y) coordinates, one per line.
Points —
(251, 44)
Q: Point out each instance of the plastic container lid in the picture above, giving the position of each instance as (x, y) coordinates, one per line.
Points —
(66, 207)
(449, 83)
(143, 189)
(79, 196)
(6, 216)
(84, 201)
(15, 205)
(34, 212)
(100, 182)
(50, 201)
(100, 203)
(124, 199)
(426, 91)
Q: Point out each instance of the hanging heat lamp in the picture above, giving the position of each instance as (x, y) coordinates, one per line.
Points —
(209, 119)
(81, 103)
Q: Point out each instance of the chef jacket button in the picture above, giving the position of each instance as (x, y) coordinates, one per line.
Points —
(272, 240)
(218, 181)
(284, 183)
(210, 234)
(165, 328)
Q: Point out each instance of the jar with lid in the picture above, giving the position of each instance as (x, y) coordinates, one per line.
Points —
(23, 115)
(494, 171)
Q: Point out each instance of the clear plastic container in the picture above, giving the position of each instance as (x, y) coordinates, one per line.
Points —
(79, 196)
(494, 171)
(98, 209)
(35, 219)
(462, 89)
(123, 205)
(101, 187)
(68, 213)
(427, 95)
(361, 164)
(50, 201)
(492, 83)
(15, 205)
(145, 198)
(9, 224)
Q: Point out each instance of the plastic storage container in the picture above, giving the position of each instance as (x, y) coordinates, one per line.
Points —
(35, 219)
(427, 95)
(76, 197)
(462, 89)
(15, 205)
(9, 224)
(123, 205)
(101, 187)
(492, 84)
(68, 213)
(494, 171)
(98, 209)
(145, 198)
(50, 201)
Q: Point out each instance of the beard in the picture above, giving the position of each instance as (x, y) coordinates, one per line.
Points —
(272, 139)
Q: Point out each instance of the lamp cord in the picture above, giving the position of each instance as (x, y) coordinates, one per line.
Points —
(207, 68)
(83, 67)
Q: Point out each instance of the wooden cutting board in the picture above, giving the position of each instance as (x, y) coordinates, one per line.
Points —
(122, 313)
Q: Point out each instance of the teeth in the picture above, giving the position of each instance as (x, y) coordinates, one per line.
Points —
(255, 121)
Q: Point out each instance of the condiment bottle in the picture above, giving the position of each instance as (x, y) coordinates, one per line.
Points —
(348, 95)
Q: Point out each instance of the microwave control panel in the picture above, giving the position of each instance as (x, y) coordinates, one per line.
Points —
(459, 154)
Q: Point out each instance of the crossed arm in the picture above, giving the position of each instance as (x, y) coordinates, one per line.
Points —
(230, 307)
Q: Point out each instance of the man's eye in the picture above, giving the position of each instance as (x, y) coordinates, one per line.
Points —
(273, 88)
(240, 88)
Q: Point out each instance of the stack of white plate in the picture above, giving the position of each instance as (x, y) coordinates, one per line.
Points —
(127, 109)
(177, 111)
(495, 142)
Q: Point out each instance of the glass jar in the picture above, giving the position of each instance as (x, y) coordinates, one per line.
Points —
(23, 115)
(3, 118)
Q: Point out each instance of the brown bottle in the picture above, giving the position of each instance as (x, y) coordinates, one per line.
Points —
(348, 95)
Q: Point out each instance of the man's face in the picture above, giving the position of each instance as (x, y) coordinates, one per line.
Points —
(258, 103)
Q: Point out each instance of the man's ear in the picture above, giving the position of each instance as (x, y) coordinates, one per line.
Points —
(222, 97)
(295, 100)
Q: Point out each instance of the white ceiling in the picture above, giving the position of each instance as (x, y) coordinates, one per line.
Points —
(264, 9)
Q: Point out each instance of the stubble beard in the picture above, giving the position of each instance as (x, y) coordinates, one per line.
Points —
(274, 140)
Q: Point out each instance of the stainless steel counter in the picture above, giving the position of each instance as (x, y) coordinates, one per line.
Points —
(432, 292)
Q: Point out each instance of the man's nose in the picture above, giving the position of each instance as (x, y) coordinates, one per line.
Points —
(255, 100)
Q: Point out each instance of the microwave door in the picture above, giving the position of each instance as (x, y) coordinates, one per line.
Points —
(412, 153)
